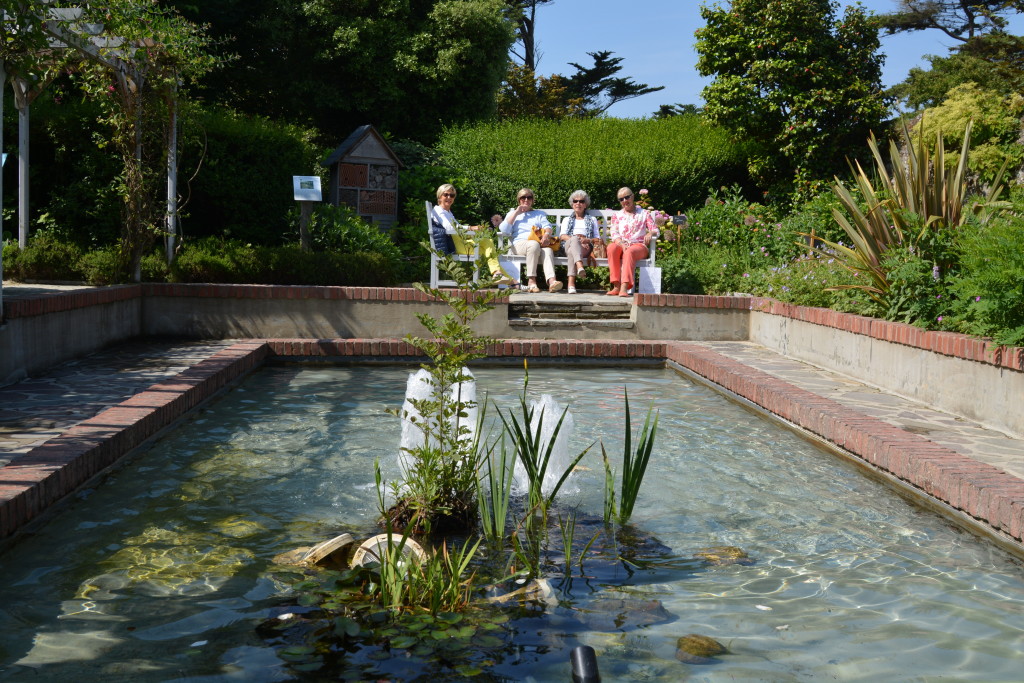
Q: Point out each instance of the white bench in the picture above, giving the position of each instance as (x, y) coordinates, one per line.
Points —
(555, 216)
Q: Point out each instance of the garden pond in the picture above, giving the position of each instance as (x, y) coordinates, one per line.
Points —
(808, 569)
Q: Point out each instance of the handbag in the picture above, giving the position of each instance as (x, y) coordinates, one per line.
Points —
(600, 250)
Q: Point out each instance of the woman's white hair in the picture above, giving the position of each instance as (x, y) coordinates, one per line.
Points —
(580, 194)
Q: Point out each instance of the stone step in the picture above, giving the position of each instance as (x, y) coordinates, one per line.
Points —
(563, 308)
(569, 324)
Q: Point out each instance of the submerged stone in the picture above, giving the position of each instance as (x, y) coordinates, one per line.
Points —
(723, 555)
(697, 649)
(617, 614)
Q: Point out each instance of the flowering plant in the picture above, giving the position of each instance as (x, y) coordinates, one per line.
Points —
(644, 202)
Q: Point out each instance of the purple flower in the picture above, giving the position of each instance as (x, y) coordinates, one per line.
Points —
(940, 318)
(977, 298)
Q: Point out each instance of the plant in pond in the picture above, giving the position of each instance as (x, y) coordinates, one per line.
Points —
(348, 636)
(634, 467)
(439, 491)
(534, 453)
(406, 581)
(494, 496)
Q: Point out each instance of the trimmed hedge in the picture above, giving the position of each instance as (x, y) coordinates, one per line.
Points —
(234, 262)
(681, 159)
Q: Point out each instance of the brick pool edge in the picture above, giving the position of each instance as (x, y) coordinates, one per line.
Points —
(31, 484)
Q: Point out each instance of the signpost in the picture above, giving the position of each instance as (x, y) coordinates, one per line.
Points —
(306, 190)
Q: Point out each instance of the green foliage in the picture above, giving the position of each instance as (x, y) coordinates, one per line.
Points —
(103, 266)
(231, 261)
(161, 54)
(928, 87)
(439, 494)
(990, 285)
(243, 168)
(817, 280)
(45, 257)
(917, 293)
(996, 126)
(72, 179)
(634, 466)
(406, 66)
(790, 76)
(917, 204)
(340, 228)
(680, 157)
(523, 94)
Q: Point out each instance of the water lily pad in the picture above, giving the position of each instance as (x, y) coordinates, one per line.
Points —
(404, 641)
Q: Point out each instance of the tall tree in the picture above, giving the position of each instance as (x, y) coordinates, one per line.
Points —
(793, 78)
(600, 88)
(961, 20)
(524, 12)
(525, 95)
(985, 53)
(407, 66)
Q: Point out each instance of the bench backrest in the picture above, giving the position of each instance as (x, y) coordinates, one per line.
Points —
(557, 215)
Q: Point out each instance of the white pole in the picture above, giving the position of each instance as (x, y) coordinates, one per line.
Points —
(172, 178)
(21, 100)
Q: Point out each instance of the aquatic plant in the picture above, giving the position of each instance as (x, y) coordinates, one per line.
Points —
(634, 466)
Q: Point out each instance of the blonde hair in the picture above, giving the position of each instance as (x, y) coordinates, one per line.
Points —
(445, 188)
(523, 191)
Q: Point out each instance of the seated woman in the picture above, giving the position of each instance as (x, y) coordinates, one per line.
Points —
(630, 230)
(445, 229)
(530, 230)
(576, 234)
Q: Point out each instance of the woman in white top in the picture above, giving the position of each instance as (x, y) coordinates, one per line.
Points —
(531, 231)
(577, 230)
(443, 212)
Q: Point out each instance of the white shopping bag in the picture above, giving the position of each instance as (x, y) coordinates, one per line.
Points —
(510, 267)
(650, 280)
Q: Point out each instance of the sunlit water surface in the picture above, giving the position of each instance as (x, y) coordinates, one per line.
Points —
(161, 572)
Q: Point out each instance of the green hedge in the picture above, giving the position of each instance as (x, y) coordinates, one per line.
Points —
(235, 262)
(680, 159)
(243, 187)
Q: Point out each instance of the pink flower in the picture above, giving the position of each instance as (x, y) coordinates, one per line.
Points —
(644, 191)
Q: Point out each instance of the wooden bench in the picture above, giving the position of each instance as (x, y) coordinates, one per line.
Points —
(555, 216)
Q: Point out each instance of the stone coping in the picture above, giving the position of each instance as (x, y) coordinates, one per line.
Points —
(982, 495)
(950, 344)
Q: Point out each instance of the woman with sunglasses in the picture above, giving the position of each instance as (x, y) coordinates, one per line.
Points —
(576, 233)
(446, 236)
(531, 236)
(630, 230)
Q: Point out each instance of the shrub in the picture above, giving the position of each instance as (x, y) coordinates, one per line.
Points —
(243, 167)
(990, 284)
(235, 262)
(103, 267)
(340, 228)
(679, 157)
(74, 196)
(807, 281)
(45, 257)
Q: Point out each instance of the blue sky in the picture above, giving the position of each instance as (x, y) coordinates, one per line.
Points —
(655, 40)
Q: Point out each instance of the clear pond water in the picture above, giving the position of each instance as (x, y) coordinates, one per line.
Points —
(162, 573)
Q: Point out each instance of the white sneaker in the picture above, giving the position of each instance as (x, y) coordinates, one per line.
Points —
(571, 290)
